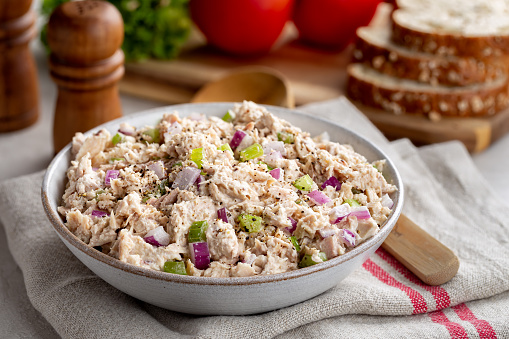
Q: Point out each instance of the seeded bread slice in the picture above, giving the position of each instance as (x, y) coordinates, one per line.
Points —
(474, 28)
(400, 96)
(375, 48)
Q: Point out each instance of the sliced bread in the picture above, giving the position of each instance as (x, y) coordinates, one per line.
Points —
(474, 28)
(400, 96)
(375, 48)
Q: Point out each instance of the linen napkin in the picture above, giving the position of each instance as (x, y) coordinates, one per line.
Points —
(445, 195)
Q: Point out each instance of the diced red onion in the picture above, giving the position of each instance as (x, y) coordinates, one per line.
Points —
(276, 173)
(186, 177)
(200, 254)
(272, 157)
(332, 181)
(199, 180)
(174, 129)
(157, 237)
(98, 213)
(326, 232)
(338, 213)
(294, 225)
(237, 138)
(127, 129)
(249, 260)
(222, 214)
(152, 241)
(246, 142)
(196, 116)
(361, 212)
(110, 174)
(318, 197)
(95, 169)
(158, 168)
(274, 146)
(387, 201)
(348, 237)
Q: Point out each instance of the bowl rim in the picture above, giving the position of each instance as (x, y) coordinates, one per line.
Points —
(67, 236)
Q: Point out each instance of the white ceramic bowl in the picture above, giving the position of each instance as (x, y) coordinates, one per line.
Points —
(205, 295)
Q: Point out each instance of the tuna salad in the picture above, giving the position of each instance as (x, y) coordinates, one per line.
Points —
(236, 196)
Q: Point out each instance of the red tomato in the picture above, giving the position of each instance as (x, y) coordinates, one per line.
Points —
(241, 26)
(331, 23)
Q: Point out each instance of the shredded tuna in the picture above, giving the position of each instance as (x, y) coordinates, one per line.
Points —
(141, 197)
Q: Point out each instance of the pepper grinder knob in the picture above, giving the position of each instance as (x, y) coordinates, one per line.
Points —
(86, 63)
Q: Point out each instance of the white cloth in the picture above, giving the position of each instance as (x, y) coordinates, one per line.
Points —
(445, 195)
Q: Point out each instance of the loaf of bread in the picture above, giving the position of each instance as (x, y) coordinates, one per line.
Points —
(473, 28)
(435, 57)
(375, 48)
(402, 96)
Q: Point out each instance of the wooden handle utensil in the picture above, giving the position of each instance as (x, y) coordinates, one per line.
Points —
(425, 256)
(259, 84)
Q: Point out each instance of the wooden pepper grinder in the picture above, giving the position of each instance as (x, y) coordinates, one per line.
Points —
(19, 95)
(86, 63)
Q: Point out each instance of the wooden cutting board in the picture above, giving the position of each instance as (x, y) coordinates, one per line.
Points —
(313, 76)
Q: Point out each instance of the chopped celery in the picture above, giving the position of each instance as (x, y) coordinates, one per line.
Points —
(251, 152)
(154, 194)
(225, 147)
(97, 193)
(153, 133)
(197, 231)
(112, 160)
(352, 202)
(229, 116)
(162, 186)
(307, 260)
(157, 192)
(301, 202)
(293, 239)
(304, 183)
(177, 164)
(270, 168)
(251, 223)
(175, 267)
(116, 139)
(286, 137)
(197, 156)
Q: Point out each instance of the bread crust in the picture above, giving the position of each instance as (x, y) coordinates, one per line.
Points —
(396, 61)
(464, 101)
(448, 44)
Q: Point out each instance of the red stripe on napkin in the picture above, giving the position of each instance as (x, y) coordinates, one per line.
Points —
(482, 326)
(455, 330)
(441, 296)
(416, 298)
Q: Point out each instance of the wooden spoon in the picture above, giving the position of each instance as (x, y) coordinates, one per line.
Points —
(426, 257)
(258, 84)
(429, 259)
